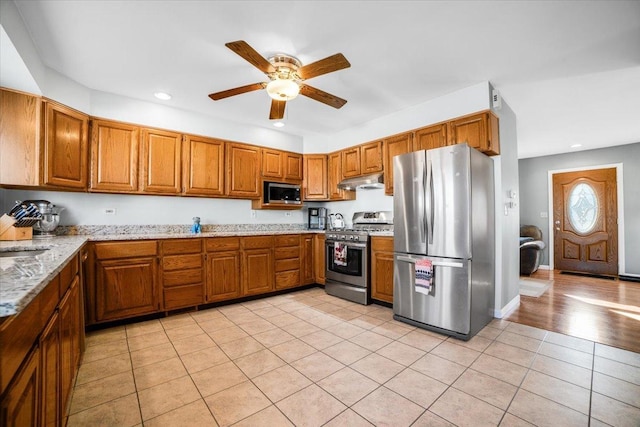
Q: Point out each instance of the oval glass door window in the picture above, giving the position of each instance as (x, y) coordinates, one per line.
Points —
(583, 208)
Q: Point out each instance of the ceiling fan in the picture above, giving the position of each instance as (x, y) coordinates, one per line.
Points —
(286, 78)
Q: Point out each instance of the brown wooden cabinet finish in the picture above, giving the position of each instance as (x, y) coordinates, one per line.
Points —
(426, 138)
(307, 259)
(126, 278)
(243, 168)
(371, 158)
(203, 166)
(272, 163)
(160, 161)
(21, 403)
(64, 148)
(287, 261)
(19, 138)
(114, 156)
(335, 176)
(50, 372)
(182, 273)
(319, 258)
(396, 145)
(292, 166)
(351, 162)
(70, 324)
(257, 265)
(480, 131)
(314, 186)
(223, 268)
(382, 268)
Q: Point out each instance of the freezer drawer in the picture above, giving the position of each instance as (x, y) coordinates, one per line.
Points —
(448, 304)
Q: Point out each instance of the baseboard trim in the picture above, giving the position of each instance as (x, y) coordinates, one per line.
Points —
(543, 267)
(630, 277)
(507, 309)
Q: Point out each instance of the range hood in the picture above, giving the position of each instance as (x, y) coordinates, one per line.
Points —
(366, 182)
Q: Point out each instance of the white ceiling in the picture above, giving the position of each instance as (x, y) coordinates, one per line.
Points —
(569, 69)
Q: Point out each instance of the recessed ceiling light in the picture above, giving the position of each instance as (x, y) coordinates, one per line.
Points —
(162, 95)
(576, 146)
(278, 124)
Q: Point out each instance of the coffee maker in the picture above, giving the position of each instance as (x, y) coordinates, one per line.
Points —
(317, 218)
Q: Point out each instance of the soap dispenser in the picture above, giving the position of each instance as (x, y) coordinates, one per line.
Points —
(196, 228)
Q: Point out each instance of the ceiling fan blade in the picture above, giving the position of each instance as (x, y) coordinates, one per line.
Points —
(237, 91)
(277, 109)
(243, 49)
(324, 97)
(327, 65)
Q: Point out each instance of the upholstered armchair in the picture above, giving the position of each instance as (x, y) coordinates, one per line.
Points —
(531, 247)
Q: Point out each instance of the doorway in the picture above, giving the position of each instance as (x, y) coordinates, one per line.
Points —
(584, 221)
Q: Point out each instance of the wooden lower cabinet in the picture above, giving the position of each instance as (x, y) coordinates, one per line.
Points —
(307, 259)
(257, 265)
(125, 282)
(223, 268)
(50, 357)
(382, 268)
(319, 266)
(287, 261)
(20, 405)
(182, 273)
(70, 325)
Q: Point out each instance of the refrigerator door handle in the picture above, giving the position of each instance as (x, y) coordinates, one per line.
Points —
(430, 207)
(434, 263)
(406, 259)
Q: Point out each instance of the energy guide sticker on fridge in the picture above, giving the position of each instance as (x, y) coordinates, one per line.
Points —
(424, 276)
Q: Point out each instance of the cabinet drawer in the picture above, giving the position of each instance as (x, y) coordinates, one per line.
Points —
(181, 262)
(184, 246)
(182, 277)
(287, 279)
(287, 264)
(126, 249)
(223, 244)
(384, 244)
(290, 252)
(259, 242)
(183, 296)
(67, 274)
(287, 240)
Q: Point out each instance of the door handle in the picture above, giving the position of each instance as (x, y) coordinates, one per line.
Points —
(434, 263)
(557, 225)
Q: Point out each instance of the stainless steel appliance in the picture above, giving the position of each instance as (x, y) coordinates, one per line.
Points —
(281, 193)
(317, 218)
(348, 254)
(49, 220)
(444, 232)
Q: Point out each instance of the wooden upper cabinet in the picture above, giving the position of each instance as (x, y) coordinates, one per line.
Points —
(114, 156)
(243, 168)
(160, 161)
(65, 151)
(371, 157)
(292, 166)
(399, 144)
(351, 162)
(315, 177)
(480, 131)
(19, 138)
(335, 176)
(203, 166)
(429, 137)
(272, 164)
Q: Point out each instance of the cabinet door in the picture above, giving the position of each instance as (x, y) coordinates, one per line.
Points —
(315, 177)
(319, 258)
(293, 166)
(335, 176)
(480, 131)
(160, 161)
(49, 364)
(69, 313)
(307, 258)
(203, 166)
(19, 138)
(272, 161)
(20, 404)
(399, 144)
(382, 268)
(125, 288)
(65, 156)
(223, 275)
(351, 162)
(371, 157)
(430, 137)
(114, 157)
(257, 271)
(243, 168)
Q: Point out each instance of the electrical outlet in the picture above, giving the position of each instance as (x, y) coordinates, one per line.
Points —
(544, 215)
(254, 214)
(287, 214)
(110, 211)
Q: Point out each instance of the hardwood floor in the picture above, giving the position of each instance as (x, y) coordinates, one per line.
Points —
(601, 310)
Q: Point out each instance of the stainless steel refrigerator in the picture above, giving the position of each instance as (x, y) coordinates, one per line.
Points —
(444, 240)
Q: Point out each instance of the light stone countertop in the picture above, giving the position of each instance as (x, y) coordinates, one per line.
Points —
(22, 278)
(381, 233)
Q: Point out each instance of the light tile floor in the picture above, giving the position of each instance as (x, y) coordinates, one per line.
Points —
(309, 359)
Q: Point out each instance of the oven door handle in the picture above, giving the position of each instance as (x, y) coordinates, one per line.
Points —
(434, 263)
(348, 245)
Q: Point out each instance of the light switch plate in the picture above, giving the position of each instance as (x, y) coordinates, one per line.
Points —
(544, 214)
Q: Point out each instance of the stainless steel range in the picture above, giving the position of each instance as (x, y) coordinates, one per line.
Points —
(348, 256)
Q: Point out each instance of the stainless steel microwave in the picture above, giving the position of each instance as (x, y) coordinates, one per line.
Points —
(280, 193)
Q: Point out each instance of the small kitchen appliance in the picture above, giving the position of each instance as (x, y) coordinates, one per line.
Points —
(50, 220)
(317, 218)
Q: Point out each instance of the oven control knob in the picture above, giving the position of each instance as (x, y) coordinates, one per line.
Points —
(356, 238)
(344, 237)
(351, 237)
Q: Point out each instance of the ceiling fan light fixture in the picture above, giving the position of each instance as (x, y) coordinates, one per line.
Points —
(279, 124)
(162, 95)
(282, 89)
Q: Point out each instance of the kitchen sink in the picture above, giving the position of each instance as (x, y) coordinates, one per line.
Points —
(11, 253)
